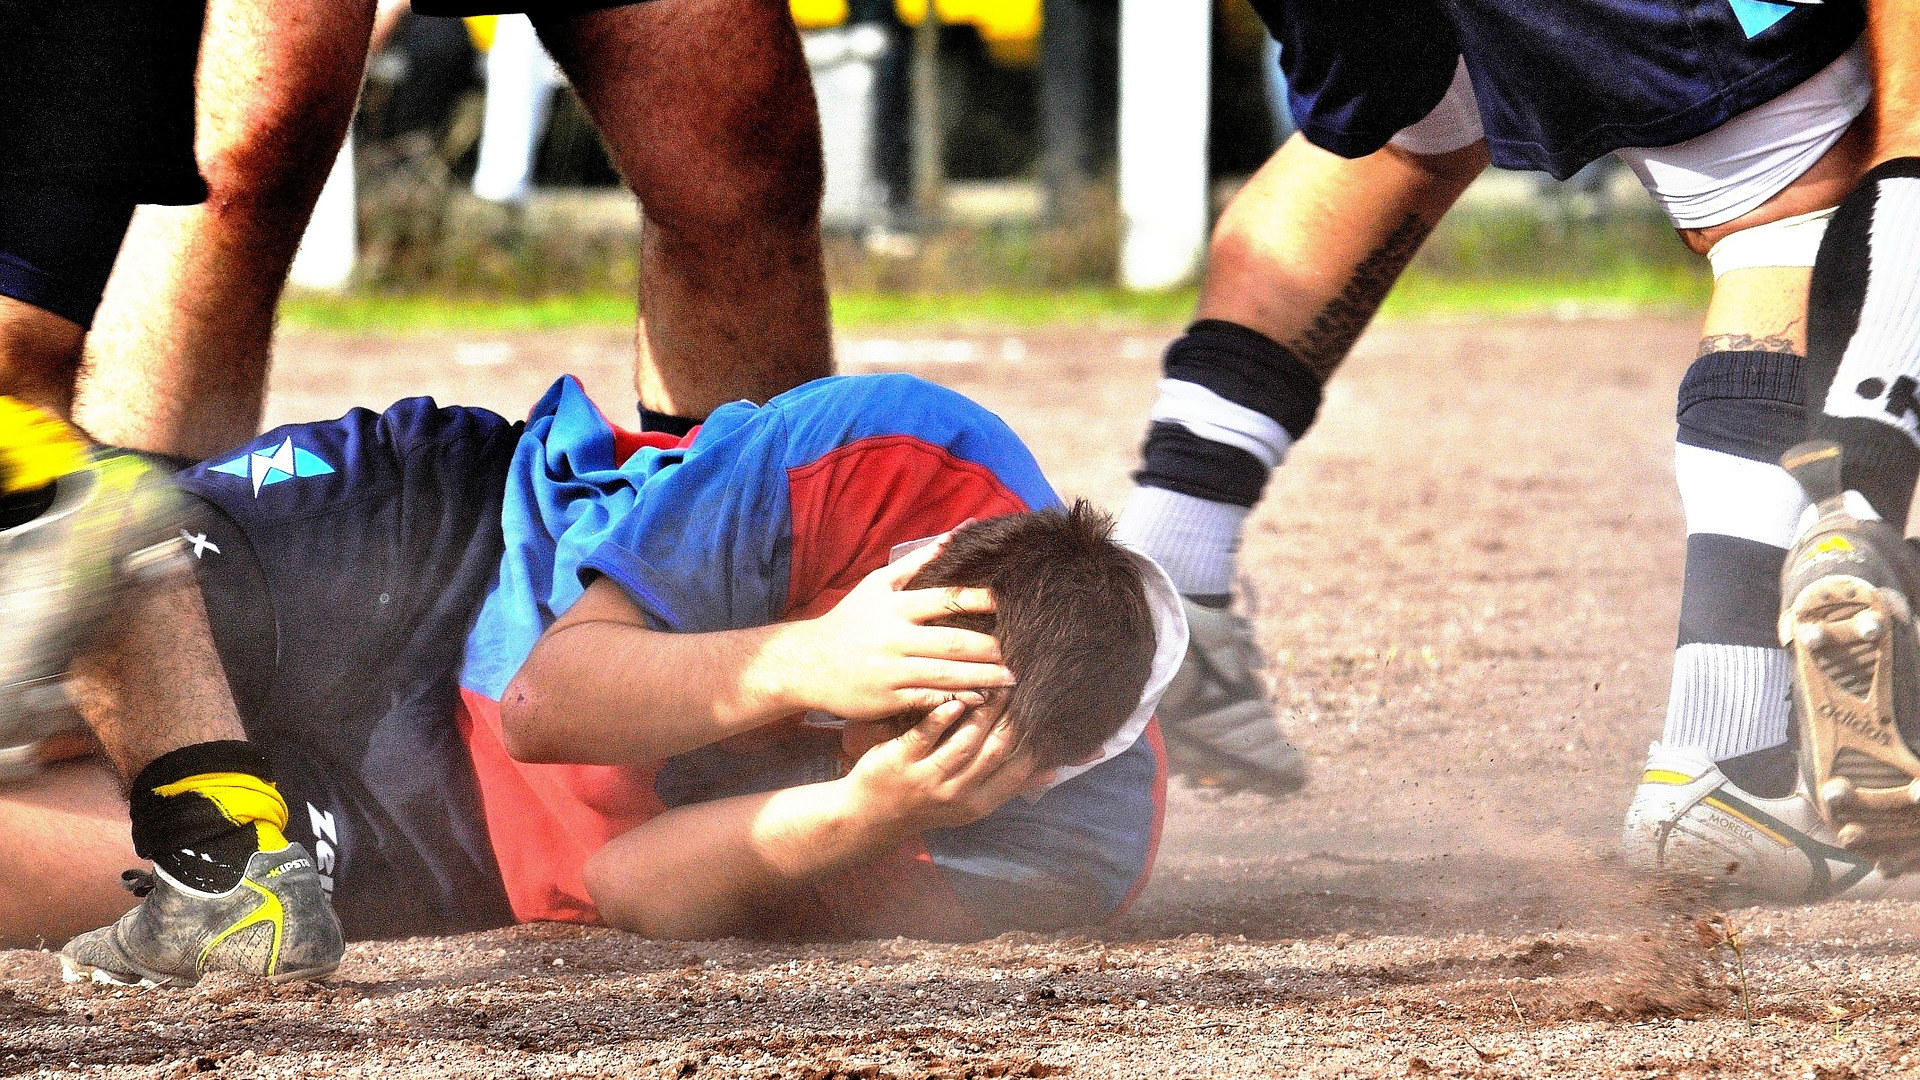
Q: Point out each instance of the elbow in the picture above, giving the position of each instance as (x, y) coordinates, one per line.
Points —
(521, 729)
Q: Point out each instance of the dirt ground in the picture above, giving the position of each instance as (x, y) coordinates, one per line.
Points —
(1469, 577)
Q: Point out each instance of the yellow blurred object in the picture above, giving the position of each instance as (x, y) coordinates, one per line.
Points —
(36, 448)
(1010, 29)
(819, 14)
(480, 28)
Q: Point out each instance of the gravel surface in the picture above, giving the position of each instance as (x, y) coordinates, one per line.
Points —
(1469, 578)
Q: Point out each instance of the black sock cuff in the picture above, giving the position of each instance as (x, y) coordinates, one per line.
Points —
(666, 422)
(1249, 369)
(1750, 375)
(228, 755)
(1900, 166)
(163, 824)
(1878, 460)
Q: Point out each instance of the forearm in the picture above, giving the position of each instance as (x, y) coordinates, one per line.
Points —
(725, 867)
(1894, 30)
(602, 687)
(610, 693)
(1308, 249)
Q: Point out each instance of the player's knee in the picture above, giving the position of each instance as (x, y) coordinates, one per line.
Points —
(267, 184)
(276, 163)
(756, 170)
(772, 191)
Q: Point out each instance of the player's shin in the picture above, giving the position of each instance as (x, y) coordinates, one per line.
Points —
(1737, 412)
(1232, 402)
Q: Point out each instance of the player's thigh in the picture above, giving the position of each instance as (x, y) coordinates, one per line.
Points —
(1761, 308)
(705, 104)
(277, 84)
(64, 840)
(1763, 303)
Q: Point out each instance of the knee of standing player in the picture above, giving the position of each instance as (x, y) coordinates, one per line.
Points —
(275, 164)
(755, 166)
(763, 196)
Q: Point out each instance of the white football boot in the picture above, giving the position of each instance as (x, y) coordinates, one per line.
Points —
(1688, 818)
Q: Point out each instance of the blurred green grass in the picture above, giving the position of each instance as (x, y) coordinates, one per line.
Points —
(1497, 262)
(1420, 294)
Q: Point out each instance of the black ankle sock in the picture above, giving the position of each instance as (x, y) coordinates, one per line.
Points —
(666, 422)
(187, 834)
(18, 508)
(1765, 774)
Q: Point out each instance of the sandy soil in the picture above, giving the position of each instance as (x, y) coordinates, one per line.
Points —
(1469, 576)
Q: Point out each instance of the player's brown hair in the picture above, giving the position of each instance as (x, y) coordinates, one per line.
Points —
(1071, 617)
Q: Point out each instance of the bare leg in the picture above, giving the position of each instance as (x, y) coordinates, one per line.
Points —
(710, 115)
(63, 841)
(1298, 257)
(39, 356)
(179, 353)
(155, 686)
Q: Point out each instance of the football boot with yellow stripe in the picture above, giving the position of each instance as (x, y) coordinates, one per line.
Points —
(1687, 818)
(1847, 591)
(227, 892)
(76, 523)
(275, 924)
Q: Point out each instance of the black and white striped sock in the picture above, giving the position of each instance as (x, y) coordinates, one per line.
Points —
(1738, 412)
(1232, 402)
(1863, 337)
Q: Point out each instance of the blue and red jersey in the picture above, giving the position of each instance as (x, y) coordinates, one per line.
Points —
(764, 514)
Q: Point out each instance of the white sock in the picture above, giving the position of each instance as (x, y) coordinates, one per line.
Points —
(1197, 541)
(1728, 700)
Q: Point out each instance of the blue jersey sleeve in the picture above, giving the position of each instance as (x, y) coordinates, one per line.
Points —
(711, 542)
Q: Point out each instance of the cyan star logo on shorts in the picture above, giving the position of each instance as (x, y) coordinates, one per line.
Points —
(268, 467)
(1758, 16)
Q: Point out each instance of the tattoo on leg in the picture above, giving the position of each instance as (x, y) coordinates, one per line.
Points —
(1780, 342)
(1325, 343)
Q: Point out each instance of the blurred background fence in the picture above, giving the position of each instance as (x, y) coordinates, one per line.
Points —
(974, 151)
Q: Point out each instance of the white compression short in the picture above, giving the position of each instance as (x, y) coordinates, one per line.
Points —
(1711, 178)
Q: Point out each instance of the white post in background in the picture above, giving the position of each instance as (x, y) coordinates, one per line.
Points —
(1164, 71)
(520, 84)
(327, 251)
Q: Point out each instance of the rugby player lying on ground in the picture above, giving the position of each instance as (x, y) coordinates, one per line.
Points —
(744, 719)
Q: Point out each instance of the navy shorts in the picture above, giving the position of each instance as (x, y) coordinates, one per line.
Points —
(343, 563)
(96, 114)
(57, 247)
(97, 96)
(1558, 84)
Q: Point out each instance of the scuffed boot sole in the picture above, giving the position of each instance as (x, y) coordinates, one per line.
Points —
(74, 972)
(1845, 634)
